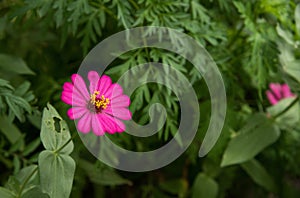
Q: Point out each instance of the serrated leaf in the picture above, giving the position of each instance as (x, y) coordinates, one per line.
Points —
(259, 175)
(14, 65)
(204, 186)
(56, 174)
(52, 137)
(246, 145)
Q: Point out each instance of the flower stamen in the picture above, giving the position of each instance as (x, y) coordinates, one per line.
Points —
(97, 103)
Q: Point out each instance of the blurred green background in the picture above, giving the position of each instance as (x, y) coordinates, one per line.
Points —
(254, 43)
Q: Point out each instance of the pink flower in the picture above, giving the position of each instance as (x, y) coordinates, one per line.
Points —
(278, 92)
(99, 109)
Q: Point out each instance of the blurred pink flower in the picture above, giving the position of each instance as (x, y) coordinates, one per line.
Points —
(278, 92)
(100, 109)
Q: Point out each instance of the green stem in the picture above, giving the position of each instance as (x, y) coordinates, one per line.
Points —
(26, 181)
(65, 144)
(286, 109)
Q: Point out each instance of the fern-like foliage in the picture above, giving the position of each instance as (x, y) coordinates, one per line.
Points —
(15, 102)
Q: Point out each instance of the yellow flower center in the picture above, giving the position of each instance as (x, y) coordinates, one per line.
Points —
(98, 103)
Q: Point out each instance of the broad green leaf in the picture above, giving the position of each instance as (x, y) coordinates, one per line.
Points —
(250, 142)
(28, 173)
(24, 180)
(56, 174)
(259, 174)
(14, 65)
(293, 69)
(204, 186)
(290, 118)
(54, 131)
(35, 193)
(9, 129)
(5, 193)
(286, 35)
(297, 19)
(102, 176)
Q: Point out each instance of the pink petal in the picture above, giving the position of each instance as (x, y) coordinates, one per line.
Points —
(68, 88)
(276, 89)
(79, 84)
(115, 125)
(84, 124)
(104, 84)
(97, 126)
(94, 79)
(120, 125)
(121, 113)
(271, 98)
(76, 112)
(121, 101)
(107, 123)
(286, 91)
(68, 98)
(113, 91)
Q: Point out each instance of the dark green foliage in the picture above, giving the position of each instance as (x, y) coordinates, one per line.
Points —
(254, 42)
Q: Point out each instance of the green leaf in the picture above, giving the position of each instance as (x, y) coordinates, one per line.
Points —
(23, 88)
(250, 142)
(293, 69)
(9, 129)
(56, 173)
(55, 132)
(24, 180)
(259, 174)
(17, 164)
(25, 174)
(297, 19)
(31, 147)
(175, 187)
(14, 65)
(35, 193)
(286, 35)
(290, 118)
(5, 193)
(35, 118)
(204, 186)
(102, 176)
